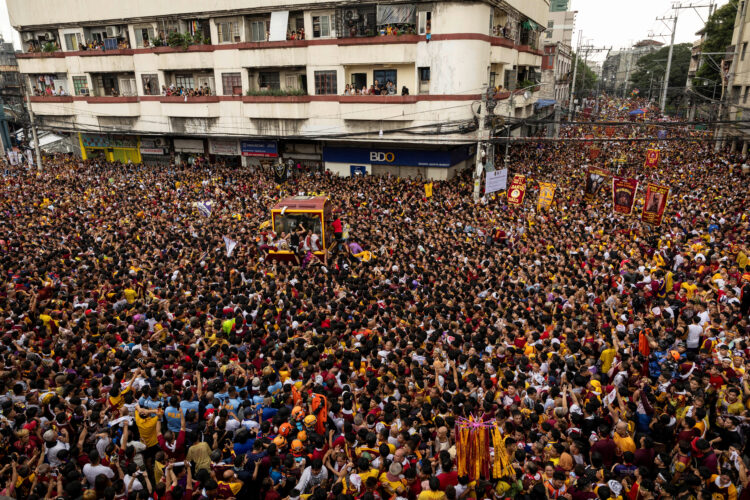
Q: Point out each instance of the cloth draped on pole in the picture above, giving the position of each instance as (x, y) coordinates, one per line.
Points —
(480, 450)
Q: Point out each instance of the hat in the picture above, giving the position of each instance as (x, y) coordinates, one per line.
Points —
(50, 435)
(395, 469)
(23, 433)
(256, 382)
(614, 486)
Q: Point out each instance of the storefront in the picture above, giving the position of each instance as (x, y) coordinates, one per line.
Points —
(190, 151)
(411, 163)
(259, 153)
(122, 148)
(155, 151)
(306, 157)
(226, 151)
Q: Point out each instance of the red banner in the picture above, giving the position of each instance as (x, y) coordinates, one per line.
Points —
(610, 131)
(594, 153)
(517, 190)
(656, 203)
(623, 195)
(595, 178)
(652, 157)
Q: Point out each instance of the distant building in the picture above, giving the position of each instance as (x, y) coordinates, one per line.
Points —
(11, 92)
(557, 63)
(620, 64)
(558, 5)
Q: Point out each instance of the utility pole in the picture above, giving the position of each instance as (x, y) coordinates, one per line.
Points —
(665, 84)
(730, 79)
(575, 74)
(482, 146)
(33, 129)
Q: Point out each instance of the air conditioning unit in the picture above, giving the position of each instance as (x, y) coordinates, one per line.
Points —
(49, 36)
(351, 15)
(28, 36)
(113, 32)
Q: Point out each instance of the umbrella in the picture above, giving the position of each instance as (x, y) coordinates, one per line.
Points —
(637, 112)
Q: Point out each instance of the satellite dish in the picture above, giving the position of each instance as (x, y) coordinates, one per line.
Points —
(526, 95)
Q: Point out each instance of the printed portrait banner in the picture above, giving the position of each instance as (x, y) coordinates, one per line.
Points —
(595, 178)
(610, 131)
(652, 157)
(546, 195)
(623, 195)
(655, 205)
(517, 190)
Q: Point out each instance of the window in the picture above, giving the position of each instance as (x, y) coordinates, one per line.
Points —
(744, 97)
(229, 31)
(359, 80)
(744, 49)
(80, 85)
(127, 86)
(150, 84)
(321, 26)
(383, 76)
(550, 26)
(258, 31)
(144, 35)
(292, 82)
(231, 83)
(424, 22)
(325, 83)
(493, 78)
(268, 80)
(424, 80)
(72, 41)
(185, 81)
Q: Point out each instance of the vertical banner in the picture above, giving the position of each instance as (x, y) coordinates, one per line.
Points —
(594, 153)
(623, 195)
(652, 157)
(595, 178)
(546, 195)
(517, 190)
(428, 190)
(610, 131)
(656, 203)
(280, 172)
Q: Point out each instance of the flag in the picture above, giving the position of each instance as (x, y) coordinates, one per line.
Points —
(546, 195)
(205, 207)
(428, 190)
(623, 195)
(280, 172)
(652, 157)
(594, 153)
(230, 244)
(655, 205)
(595, 178)
(517, 190)
(662, 134)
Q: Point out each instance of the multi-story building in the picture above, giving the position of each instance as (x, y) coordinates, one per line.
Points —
(11, 93)
(735, 97)
(248, 82)
(557, 63)
(619, 65)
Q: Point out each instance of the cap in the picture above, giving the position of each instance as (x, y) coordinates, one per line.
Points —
(395, 469)
(50, 435)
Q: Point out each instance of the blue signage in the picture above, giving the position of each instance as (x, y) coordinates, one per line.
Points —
(355, 170)
(398, 157)
(267, 149)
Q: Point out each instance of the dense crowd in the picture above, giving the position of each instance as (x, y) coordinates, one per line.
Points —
(138, 360)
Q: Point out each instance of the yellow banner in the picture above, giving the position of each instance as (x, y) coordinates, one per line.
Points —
(428, 190)
(546, 195)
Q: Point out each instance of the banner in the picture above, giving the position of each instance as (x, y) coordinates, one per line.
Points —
(428, 190)
(546, 195)
(204, 207)
(280, 172)
(623, 195)
(594, 153)
(230, 244)
(610, 131)
(517, 190)
(595, 178)
(496, 180)
(652, 157)
(656, 203)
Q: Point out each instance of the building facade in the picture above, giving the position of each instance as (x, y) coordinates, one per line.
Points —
(619, 65)
(557, 63)
(250, 82)
(13, 113)
(735, 104)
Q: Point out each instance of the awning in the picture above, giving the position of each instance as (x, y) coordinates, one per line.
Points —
(542, 103)
(529, 25)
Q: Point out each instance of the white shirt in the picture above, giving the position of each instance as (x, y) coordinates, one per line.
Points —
(137, 486)
(694, 336)
(93, 471)
(52, 453)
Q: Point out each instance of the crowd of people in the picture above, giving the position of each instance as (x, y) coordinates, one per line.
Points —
(138, 360)
(174, 90)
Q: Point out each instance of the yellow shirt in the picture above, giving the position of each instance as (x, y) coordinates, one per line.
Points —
(130, 295)
(624, 443)
(607, 356)
(690, 288)
(147, 429)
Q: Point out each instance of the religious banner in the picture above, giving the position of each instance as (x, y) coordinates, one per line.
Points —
(517, 190)
(280, 172)
(595, 178)
(623, 195)
(610, 131)
(594, 153)
(652, 157)
(656, 203)
(546, 195)
(428, 190)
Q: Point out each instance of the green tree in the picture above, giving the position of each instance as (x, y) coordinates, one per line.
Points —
(718, 37)
(585, 78)
(648, 76)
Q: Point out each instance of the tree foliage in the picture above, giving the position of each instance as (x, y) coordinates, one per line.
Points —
(718, 37)
(585, 78)
(650, 69)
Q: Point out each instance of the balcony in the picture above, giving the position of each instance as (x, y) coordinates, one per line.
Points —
(53, 105)
(187, 107)
(175, 59)
(368, 108)
(114, 106)
(279, 107)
